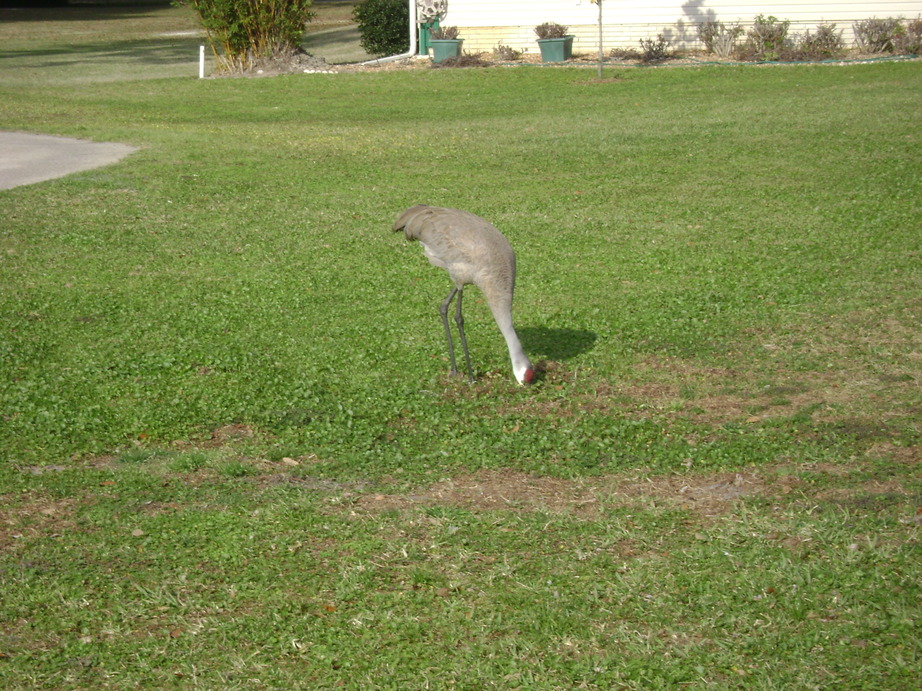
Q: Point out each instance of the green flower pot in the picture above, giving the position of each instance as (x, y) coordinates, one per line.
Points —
(444, 48)
(556, 49)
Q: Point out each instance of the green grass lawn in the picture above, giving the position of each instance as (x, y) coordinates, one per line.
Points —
(231, 455)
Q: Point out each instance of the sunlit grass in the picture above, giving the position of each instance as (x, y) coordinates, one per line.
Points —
(231, 455)
(228, 286)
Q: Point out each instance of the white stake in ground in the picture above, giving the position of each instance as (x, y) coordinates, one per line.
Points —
(201, 62)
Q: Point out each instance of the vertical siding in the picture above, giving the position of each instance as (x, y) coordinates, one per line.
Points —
(485, 23)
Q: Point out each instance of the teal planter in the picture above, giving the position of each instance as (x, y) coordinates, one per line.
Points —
(556, 49)
(443, 48)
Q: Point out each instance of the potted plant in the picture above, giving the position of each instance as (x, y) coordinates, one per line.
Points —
(555, 43)
(445, 43)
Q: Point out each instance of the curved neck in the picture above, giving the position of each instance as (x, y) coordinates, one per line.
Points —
(520, 361)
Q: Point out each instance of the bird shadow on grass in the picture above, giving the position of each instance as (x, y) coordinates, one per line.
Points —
(556, 344)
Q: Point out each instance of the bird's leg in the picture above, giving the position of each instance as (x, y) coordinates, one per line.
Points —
(459, 320)
(443, 310)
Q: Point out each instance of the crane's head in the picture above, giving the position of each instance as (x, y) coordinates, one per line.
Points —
(525, 375)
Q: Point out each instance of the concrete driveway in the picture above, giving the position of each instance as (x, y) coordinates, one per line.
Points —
(30, 158)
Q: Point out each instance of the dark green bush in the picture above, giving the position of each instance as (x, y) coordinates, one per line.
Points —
(243, 31)
(384, 26)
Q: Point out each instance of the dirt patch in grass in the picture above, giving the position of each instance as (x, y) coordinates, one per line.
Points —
(864, 381)
(705, 495)
(228, 433)
(672, 389)
(493, 490)
(34, 515)
(910, 456)
(718, 395)
(497, 490)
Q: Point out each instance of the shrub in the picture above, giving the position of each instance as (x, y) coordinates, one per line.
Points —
(652, 50)
(625, 54)
(551, 30)
(910, 41)
(825, 43)
(507, 53)
(766, 40)
(718, 38)
(462, 61)
(243, 31)
(384, 26)
(877, 35)
(444, 33)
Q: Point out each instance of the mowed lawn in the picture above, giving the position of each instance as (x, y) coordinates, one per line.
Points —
(231, 455)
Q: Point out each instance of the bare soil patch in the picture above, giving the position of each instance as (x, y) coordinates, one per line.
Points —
(34, 515)
(705, 496)
(497, 490)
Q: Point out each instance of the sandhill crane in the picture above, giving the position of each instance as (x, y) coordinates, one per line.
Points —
(472, 250)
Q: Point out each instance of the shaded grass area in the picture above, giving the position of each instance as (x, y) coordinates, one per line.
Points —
(333, 35)
(336, 44)
(93, 43)
(231, 455)
(142, 59)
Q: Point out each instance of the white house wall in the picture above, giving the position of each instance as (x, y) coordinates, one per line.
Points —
(485, 23)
